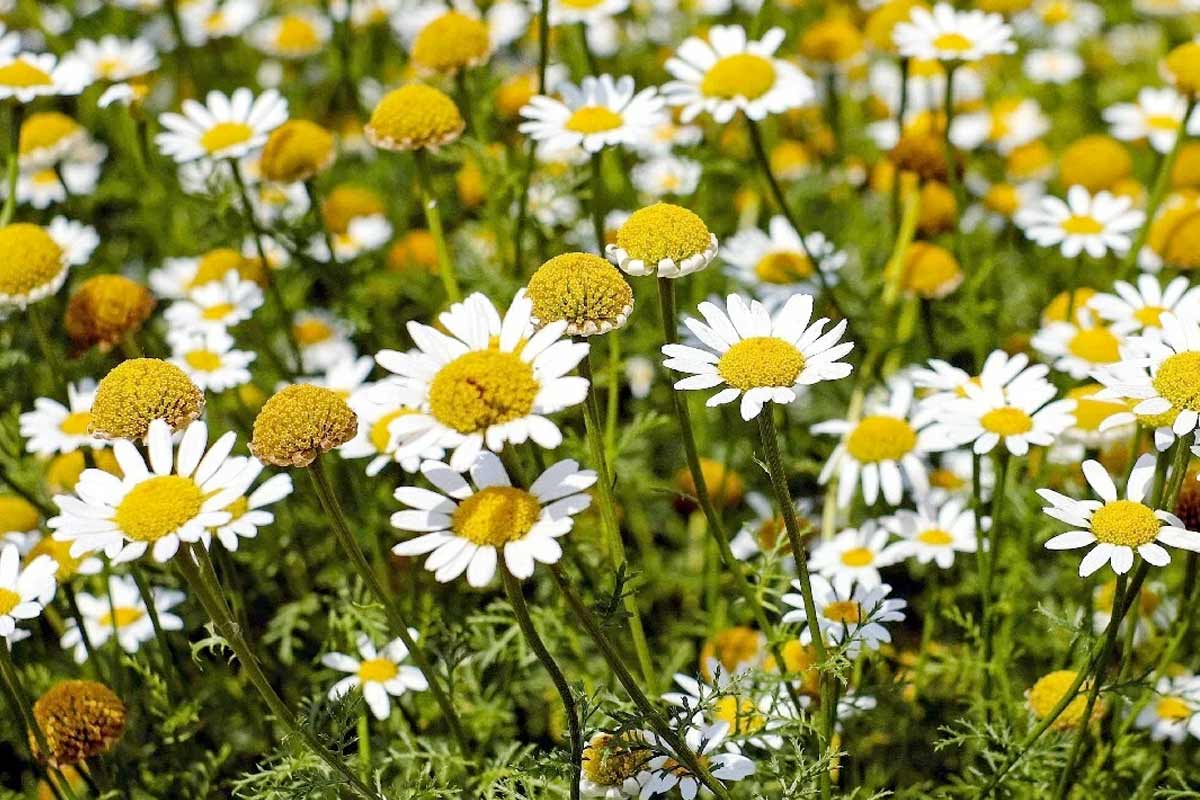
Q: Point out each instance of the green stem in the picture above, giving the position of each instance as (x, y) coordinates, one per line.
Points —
(73, 605)
(598, 201)
(58, 373)
(531, 146)
(433, 218)
(364, 744)
(952, 162)
(901, 110)
(16, 116)
(993, 538)
(314, 201)
(166, 652)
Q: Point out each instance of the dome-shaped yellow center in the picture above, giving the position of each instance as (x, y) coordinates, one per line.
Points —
(1049, 690)
(1175, 709)
(76, 423)
(377, 670)
(1007, 421)
(158, 506)
(495, 516)
(1095, 345)
(29, 259)
(224, 135)
(482, 388)
(297, 150)
(380, 433)
(581, 288)
(593, 119)
(760, 361)
(1082, 224)
(610, 761)
(740, 713)
(1178, 380)
(203, 360)
(740, 75)
(783, 266)
(296, 34)
(843, 612)
(20, 74)
(881, 438)
(452, 41)
(1126, 523)
(413, 117)
(952, 42)
(60, 552)
(858, 557)
(1089, 412)
(140, 390)
(46, 129)
(17, 514)
(663, 231)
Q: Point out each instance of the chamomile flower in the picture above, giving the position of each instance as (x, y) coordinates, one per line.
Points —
(1156, 116)
(854, 556)
(295, 35)
(765, 532)
(207, 356)
(487, 381)
(601, 112)
(178, 277)
(666, 772)
(1174, 710)
(1021, 414)
(777, 264)
(362, 235)
(1097, 224)
(732, 652)
(115, 59)
(220, 304)
(727, 73)
(223, 127)
(26, 76)
(1078, 348)
(125, 617)
(665, 176)
(380, 673)
(752, 721)
(206, 20)
(378, 410)
(934, 532)
(1139, 310)
(468, 527)
(942, 381)
(759, 357)
(247, 511)
(34, 261)
(945, 34)
(52, 186)
(172, 500)
(610, 766)
(662, 239)
(1054, 66)
(52, 427)
(24, 592)
(1114, 528)
(587, 12)
(850, 617)
(884, 449)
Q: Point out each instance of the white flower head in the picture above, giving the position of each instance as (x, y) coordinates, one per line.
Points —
(666, 772)
(24, 592)
(1095, 224)
(380, 673)
(126, 617)
(851, 618)
(223, 127)
(1174, 710)
(601, 112)
(934, 532)
(26, 76)
(946, 34)
(776, 263)
(854, 555)
(207, 356)
(52, 428)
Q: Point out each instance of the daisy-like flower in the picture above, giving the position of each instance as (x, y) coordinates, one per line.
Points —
(324, 340)
(666, 771)
(20, 522)
(765, 532)
(1078, 348)
(376, 438)
(727, 73)
(1174, 711)
(667, 175)
(126, 617)
(223, 126)
(295, 35)
(247, 510)
(23, 592)
(1097, 223)
(1139, 310)
(600, 112)
(1156, 115)
(34, 261)
(465, 527)
(751, 721)
(610, 766)
(70, 178)
(852, 617)
(54, 428)
(777, 264)
(207, 356)
(945, 34)
(588, 12)
(757, 356)
(206, 20)
(117, 60)
(25, 76)
(882, 449)
(1115, 528)
(219, 304)
(1057, 66)
(362, 235)
(934, 531)
(487, 381)
(381, 674)
(943, 381)
(662, 239)
(347, 376)
(854, 556)
(173, 499)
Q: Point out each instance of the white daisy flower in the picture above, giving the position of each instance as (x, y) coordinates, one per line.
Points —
(776, 263)
(1097, 223)
(850, 618)
(1078, 348)
(53, 186)
(25, 76)
(247, 511)
(506, 20)
(600, 112)
(1156, 116)
(728, 73)
(882, 449)
(219, 304)
(207, 356)
(1139, 310)
(376, 438)
(588, 12)
(853, 556)
(1115, 528)
(222, 127)
(177, 277)
(466, 527)
(757, 356)
(934, 532)
(766, 531)
(667, 176)
(295, 35)
(53, 428)
(363, 234)
(115, 59)
(73, 243)
(945, 34)
(552, 205)
(206, 20)
(752, 721)
(381, 674)
(1055, 66)
(23, 592)
(1174, 711)
(943, 381)
(154, 507)
(324, 340)
(126, 617)
(487, 381)
(666, 772)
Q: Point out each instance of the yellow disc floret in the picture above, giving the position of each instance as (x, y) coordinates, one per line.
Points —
(1181, 67)
(296, 151)
(17, 514)
(216, 264)
(158, 507)
(140, 390)
(1090, 412)
(782, 267)
(413, 117)
(1007, 421)
(1095, 162)
(225, 135)
(732, 649)
(452, 42)
(1050, 689)
(612, 760)
(68, 565)
(106, 308)
(377, 670)
(1096, 345)
(930, 271)
(20, 74)
(593, 119)
(348, 201)
(881, 438)
(761, 361)
(482, 388)
(582, 288)
(843, 612)
(46, 132)
(299, 423)
(1178, 380)
(1125, 523)
(31, 263)
(79, 719)
(831, 41)
(494, 516)
(663, 232)
(740, 75)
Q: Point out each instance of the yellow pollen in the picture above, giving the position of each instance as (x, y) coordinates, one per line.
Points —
(1173, 708)
(23, 75)
(158, 506)
(783, 266)
(610, 761)
(203, 360)
(946, 479)
(1095, 345)
(139, 390)
(582, 288)
(760, 361)
(495, 516)
(224, 135)
(452, 41)
(218, 312)
(29, 259)
(46, 177)
(8, 600)
(740, 714)
(1149, 316)
(311, 331)
(121, 616)
(380, 436)
(663, 231)
(76, 423)
(593, 119)
(1082, 224)
(731, 647)
(482, 388)
(936, 537)
(17, 514)
(1007, 421)
(843, 612)
(858, 557)
(740, 75)
(412, 117)
(1089, 412)
(953, 42)
(1050, 689)
(377, 670)
(296, 35)
(1125, 523)
(1178, 380)
(881, 438)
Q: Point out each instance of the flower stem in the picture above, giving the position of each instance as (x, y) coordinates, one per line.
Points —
(952, 163)
(433, 218)
(314, 202)
(901, 110)
(166, 652)
(531, 147)
(364, 744)
(58, 373)
(396, 620)
(16, 116)
(993, 539)
(84, 636)
(512, 588)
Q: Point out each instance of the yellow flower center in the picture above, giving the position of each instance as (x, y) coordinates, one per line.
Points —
(108, 67)
(594, 119)
(881, 438)
(311, 331)
(218, 311)
(296, 35)
(581, 5)
(76, 423)
(663, 231)
(237, 508)
(936, 537)
(121, 616)
(1003, 199)
(380, 436)
(1089, 412)
(158, 506)
(1173, 708)
(19, 73)
(760, 361)
(843, 612)
(581, 288)
(952, 42)
(377, 670)
(139, 390)
(1148, 316)
(224, 135)
(740, 75)
(495, 516)
(216, 264)
(1049, 690)
(203, 360)
(858, 557)
(783, 266)
(1056, 13)
(944, 478)
(1082, 224)
(740, 714)
(1007, 421)
(1095, 345)
(8, 600)
(482, 388)
(610, 761)
(452, 41)
(29, 259)
(1162, 122)
(1124, 522)
(1178, 380)
(414, 116)
(46, 129)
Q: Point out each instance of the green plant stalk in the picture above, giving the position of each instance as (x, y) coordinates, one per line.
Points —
(597, 204)
(512, 587)
(543, 28)
(314, 201)
(16, 115)
(396, 620)
(166, 652)
(952, 163)
(902, 109)
(433, 218)
(37, 323)
(73, 605)
(993, 537)
(364, 744)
